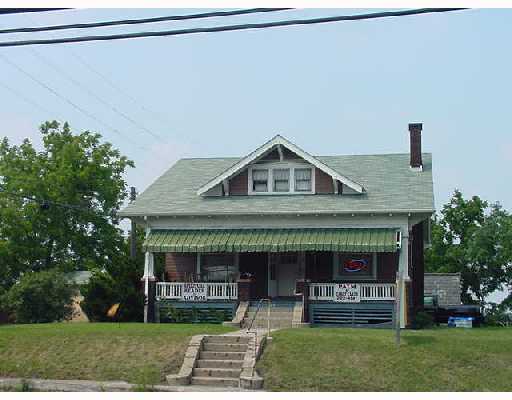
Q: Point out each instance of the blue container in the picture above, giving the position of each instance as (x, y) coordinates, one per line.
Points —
(461, 322)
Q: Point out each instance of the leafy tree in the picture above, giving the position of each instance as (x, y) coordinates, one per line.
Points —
(120, 283)
(77, 182)
(474, 239)
(489, 253)
(44, 296)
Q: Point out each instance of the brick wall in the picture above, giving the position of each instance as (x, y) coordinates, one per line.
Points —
(180, 266)
(323, 182)
(238, 184)
(445, 286)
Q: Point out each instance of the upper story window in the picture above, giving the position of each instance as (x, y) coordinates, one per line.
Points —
(303, 179)
(260, 180)
(281, 178)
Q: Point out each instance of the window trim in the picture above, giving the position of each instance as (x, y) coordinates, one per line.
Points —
(281, 180)
(270, 167)
(269, 182)
(295, 181)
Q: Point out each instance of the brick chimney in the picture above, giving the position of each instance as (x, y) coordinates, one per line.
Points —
(415, 135)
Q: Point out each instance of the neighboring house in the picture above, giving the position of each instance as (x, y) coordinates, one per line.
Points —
(445, 286)
(341, 229)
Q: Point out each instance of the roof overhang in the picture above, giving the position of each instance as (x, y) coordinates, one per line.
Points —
(128, 214)
(264, 149)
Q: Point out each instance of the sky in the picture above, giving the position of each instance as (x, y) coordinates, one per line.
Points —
(337, 88)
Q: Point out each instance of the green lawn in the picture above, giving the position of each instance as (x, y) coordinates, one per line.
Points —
(132, 352)
(443, 359)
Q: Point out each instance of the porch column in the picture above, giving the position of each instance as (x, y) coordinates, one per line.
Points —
(149, 287)
(403, 274)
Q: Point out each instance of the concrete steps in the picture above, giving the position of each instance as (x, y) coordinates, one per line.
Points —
(209, 381)
(226, 339)
(223, 364)
(219, 362)
(281, 316)
(222, 355)
(225, 347)
(273, 315)
(277, 325)
(217, 372)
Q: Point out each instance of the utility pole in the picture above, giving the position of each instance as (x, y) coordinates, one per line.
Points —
(133, 232)
(398, 294)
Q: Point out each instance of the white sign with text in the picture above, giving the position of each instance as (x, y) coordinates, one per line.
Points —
(347, 293)
(194, 292)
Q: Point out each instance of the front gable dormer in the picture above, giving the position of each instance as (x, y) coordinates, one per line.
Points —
(279, 168)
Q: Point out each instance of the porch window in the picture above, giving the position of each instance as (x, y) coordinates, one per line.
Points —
(218, 267)
(260, 180)
(281, 180)
(356, 266)
(302, 179)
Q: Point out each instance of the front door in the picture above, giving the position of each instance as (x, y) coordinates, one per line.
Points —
(256, 264)
(287, 274)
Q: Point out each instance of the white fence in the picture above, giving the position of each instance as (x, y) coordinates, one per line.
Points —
(214, 291)
(367, 291)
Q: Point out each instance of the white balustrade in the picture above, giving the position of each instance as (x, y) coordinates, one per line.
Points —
(214, 291)
(367, 291)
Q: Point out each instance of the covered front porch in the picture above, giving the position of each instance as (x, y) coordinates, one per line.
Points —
(334, 273)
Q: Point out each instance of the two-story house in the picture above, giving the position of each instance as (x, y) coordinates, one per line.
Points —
(329, 235)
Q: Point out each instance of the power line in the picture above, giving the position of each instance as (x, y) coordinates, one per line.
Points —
(28, 10)
(87, 65)
(54, 92)
(94, 95)
(45, 203)
(143, 20)
(227, 28)
(116, 87)
(25, 98)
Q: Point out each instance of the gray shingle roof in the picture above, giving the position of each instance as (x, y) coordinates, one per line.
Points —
(390, 184)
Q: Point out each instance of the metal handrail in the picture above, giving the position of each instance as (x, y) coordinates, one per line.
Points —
(269, 302)
(252, 321)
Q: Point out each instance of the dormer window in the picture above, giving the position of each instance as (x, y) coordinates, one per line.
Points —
(303, 179)
(260, 180)
(281, 180)
(277, 178)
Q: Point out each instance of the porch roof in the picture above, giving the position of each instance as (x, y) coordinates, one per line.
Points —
(272, 240)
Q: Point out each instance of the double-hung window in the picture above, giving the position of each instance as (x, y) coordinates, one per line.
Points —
(302, 179)
(281, 180)
(260, 180)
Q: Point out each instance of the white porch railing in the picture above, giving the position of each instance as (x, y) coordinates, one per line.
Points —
(367, 291)
(214, 291)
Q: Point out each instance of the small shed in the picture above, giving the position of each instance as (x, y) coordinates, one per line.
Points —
(446, 286)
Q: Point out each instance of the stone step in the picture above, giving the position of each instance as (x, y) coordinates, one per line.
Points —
(222, 364)
(264, 325)
(225, 347)
(273, 317)
(226, 339)
(210, 381)
(264, 322)
(217, 372)
(272, 310)
(221, 355)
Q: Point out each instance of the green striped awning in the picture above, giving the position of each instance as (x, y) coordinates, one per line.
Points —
(271, 240)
